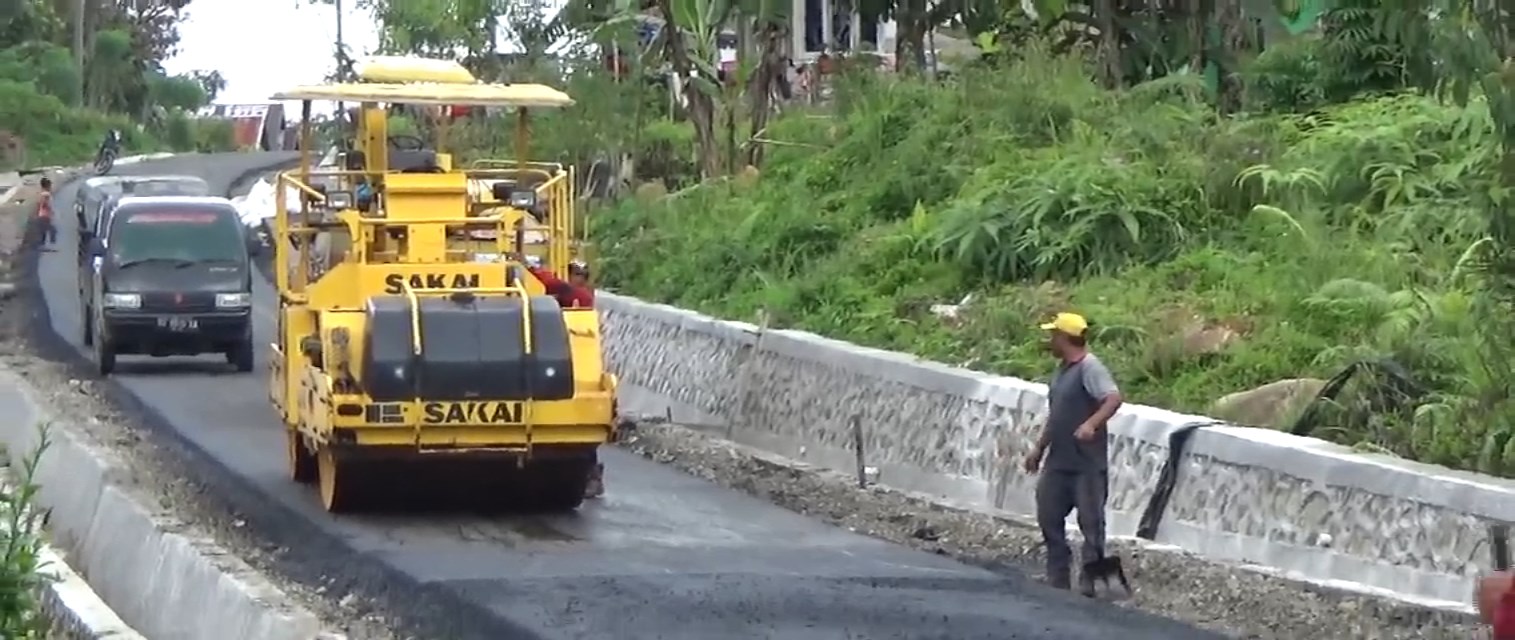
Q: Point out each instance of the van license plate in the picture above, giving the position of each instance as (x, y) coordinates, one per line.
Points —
(178, 323)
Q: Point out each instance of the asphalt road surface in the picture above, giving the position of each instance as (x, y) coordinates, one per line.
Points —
(662, 555)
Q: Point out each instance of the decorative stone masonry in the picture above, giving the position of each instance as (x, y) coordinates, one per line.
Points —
(1246, 495)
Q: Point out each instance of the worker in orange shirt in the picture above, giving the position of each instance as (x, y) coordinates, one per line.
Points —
(43, 228)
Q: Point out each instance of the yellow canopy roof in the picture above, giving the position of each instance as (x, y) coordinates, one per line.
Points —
(397, 69)
(489, 95)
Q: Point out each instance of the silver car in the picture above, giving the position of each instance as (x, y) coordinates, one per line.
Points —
(96, 194)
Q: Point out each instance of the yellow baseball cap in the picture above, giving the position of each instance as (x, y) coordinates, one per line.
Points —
(1069, 323)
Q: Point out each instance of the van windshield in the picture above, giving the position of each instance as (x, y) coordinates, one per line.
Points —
(180, 236)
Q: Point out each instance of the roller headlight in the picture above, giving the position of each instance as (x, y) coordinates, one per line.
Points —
(339, 200)
(523, 199)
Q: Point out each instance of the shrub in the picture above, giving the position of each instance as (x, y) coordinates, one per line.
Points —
(1213, 254)
(55, 133)
(21, 567)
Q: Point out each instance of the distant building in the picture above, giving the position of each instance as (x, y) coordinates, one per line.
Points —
(812, 20)
(254, 126)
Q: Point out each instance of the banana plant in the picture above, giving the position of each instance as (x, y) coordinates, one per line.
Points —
(688, 40)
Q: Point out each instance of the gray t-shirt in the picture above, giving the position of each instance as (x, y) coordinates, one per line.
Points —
(1074, 394)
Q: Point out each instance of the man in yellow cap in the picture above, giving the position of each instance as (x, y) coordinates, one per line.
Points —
(1081, 398)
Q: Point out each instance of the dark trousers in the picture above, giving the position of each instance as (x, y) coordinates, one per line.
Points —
(41, 230)
(1057, 494)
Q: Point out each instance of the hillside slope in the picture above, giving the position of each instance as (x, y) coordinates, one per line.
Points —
(1213, 255)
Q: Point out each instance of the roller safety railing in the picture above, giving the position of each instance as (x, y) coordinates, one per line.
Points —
(308, 229)
(556, 188)
(413, 297)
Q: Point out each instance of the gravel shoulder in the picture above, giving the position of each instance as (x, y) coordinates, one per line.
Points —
(1228, 599)
(159, 474)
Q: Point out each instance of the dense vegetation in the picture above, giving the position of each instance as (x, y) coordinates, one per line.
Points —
(1033, 189)
(56, 102)
(1323, 219)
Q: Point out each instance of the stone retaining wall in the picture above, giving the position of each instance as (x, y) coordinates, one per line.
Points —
(1246, 495)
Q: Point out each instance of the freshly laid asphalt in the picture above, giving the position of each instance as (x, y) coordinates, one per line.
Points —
(661, 555)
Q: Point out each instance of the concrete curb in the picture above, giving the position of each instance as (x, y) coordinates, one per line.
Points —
(1309, 509)
(168, 584)
(76, 611)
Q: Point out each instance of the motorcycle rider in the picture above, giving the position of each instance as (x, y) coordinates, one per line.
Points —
(112, 141)
(110, 148)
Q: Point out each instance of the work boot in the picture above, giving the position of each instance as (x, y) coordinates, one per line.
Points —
(1086, 579)
(596, 486)
(1058, 579)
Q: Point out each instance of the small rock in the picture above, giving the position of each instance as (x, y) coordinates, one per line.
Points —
(1272, 405)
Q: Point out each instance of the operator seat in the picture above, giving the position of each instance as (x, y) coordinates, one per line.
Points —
(411, 161)
(400, 160)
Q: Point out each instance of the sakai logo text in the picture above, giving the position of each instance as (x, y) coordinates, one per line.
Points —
(472, 412)
(396, 282)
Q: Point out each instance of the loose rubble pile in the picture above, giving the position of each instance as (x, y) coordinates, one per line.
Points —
(1227, 599)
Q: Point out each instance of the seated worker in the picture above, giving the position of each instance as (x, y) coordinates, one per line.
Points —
(573, 294)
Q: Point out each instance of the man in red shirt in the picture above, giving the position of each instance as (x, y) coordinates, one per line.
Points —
(575, 293)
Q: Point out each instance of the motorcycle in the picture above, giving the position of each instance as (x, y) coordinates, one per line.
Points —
(105, 160)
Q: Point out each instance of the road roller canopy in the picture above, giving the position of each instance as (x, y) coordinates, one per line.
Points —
(433, 93)
(402, 69)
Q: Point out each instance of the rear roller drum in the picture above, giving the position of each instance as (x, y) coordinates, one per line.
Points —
(559, 485)
(341, 484)
(302, 463)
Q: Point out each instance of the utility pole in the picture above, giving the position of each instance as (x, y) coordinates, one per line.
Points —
(341, 64)
(340, 50)
(79, 8)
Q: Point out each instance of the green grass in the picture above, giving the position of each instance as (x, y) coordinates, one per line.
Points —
(1297, 243)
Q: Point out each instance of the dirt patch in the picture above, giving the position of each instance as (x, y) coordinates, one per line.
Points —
(1227, 599)
(158, 474)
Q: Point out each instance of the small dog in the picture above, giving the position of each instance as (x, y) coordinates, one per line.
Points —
(1103, 569)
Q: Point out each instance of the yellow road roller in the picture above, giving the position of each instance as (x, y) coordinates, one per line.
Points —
(424, 340)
